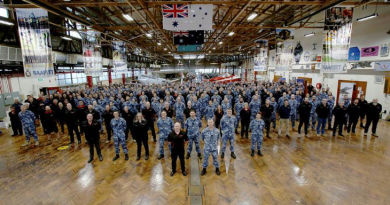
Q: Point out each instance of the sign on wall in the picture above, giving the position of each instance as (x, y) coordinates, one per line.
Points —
(260, 61)
(337, 36)
(92, 54)
(34, 34)
(119, 56)
(382, 66)
(284, 56)
(370, 51)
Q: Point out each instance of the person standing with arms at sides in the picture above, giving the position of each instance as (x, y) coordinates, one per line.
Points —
(228, 123)
(165, 126)
(347, 102)
(209, 111)
(118, 126)
(177, 138)
(128, 117)
(28, 121)
(374, 110)
(149, 113)
(179, 110)
(294, 106)
(273, 116)
(141, 128)
(245, 116)
(91, 128)
(71, 120)
(61, 116)
(339, 117)
(257, 125)
(218, 116)
(267, 109)
(313, 113)
(192, 126)
(354, 111)
(81, 113)
(107, 116)
(284, 114)
(210, 137)
(304, 110)
(238, 107)
(322, 112)
(15, 122)
(363, 105)
(51, 122)
(168, 110)
(330, 116)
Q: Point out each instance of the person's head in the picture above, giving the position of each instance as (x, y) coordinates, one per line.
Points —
(362, 97)
(166, 105)
(23, 108)
(341, 103)
(267, 102)
(126, 109)
(47, 108)
(16, 100)
(210, 102)
(12, 109)
(139, 117)
(89, 117)
(246, 105)
(258, 115)
(179, 99)
(324, 101)
(192, 113)
(94, 103)
(81, 102)
(69, 106)
(255, 97)
(292, 97)
(229, 112)
(177, 127)
(219, 107)
(330, 97)
(356, 101)
(163, 114)
(306, 100)
(189, 104)
(90, 107)
(210, 123)
(314, 98)
(285, 103)
(116, 114)
(345, 97)
(375, 101)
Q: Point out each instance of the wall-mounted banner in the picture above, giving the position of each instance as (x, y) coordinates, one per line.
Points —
(382, 66)
(119, 56)
(35, 42)
(337, 36)
(284, 56)
(261, 58)
(92, 54)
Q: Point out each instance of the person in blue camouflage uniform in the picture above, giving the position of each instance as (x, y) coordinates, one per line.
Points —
(238, 107)
(254, 106)
(165, 126)
(196, 106)
(313, 113)
(100, 110)
(28, 121)
(330, 103)
(257, 125)
(156, 106)
(118, 126)
(179, 110)
(323, 95)
(347, 102)
(210, 137)
(209, 111)
(192, 126)
(299, 99)
(217, 97)
(228, 123)
(273, 116)
(225, 105)
(282, 99)
(294, 107)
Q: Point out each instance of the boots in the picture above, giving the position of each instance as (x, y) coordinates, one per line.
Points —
(217, 171)
(26, 144)
(126, 157)
(116, 157)
(236, 132)
(233, 155)
(253, 153)
(259, 153)
(138, 157)
(222, 155)
(203, 172)
(90, 160)
(160, 156)
(146, 157)
(100, 158)
(188, 156)
(200, 155)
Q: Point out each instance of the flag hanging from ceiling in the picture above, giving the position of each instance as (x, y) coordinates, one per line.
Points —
(188, 37)
(119, 56)
(92, 54)
(261, 57)
(35, 42)
(284, 49)
(178, 17)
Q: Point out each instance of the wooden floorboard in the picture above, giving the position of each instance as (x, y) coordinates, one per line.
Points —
(321, 170)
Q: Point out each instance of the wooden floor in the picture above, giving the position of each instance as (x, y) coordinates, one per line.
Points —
(320, 170)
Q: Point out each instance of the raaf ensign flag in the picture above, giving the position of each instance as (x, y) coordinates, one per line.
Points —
(187, 17)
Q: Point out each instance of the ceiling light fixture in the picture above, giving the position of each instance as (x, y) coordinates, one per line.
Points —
(66, 38)
(220, 42)
(309, 34)
(368, 17)
(231, 33)
(252, 16)
(127, 17)
(6, 23)
(165, 49)
(159, 43)
(149, 35)
(214, 48)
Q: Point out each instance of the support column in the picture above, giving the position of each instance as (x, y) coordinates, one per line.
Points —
(109, 76)
(123, 78)
(89, 81)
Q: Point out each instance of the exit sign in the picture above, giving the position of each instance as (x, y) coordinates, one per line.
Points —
(40, 79)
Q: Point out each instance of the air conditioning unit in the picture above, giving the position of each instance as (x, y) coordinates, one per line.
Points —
(10, 54)
(71, 59)
(4, 53)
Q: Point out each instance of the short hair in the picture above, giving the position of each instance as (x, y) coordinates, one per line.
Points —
(193, 110)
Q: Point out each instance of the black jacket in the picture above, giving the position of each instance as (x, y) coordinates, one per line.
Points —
(141, 130)
(92, 131)
(95, 114)
(284, 112)
(267, 111)
(71, 117)
(187, 112)
(14, 118)
(373, 111)
(363, 105)
(339, 112)
(304, 110)
(177, 141)
(354, 111)
(81, 113)
(129, 117)
(245, 116)
(322, 111)
(169, 112)
(107, 116)
(148, 114)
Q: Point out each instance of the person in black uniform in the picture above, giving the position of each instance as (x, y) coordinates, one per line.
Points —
(245, 116)
(90, 110)
(322, 111)
(141, 128)
(60, 115)
(363, 105)
(15, 122)
(188, 109)
(91, 128)
(149, 114)
(177, 139)
(218, 116)
(168, 110)
(339, 116)
(129, 117)
(354, 112)
(107, 116)
(81, 114)
(71, 119)
(304, 110)
(374, 110)
(49, 117)
(266, 111)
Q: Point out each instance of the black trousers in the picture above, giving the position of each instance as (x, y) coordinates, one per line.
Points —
(81, 125)
(108, 130)
(95, 144)
(244, 128)
(127, 133)
(178, 153)
(17, 128)
(61, 121)
(301, 122)
(151, 127)
(267, 122)
(71, 128)
(340, 123)
(142, 140)
(352, 122)
(374, 124)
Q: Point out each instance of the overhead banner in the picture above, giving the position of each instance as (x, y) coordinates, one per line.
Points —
(179, 17)
(284, 49)
(188, 37)
(189, 48)
(337, 36)
(119, 56)
(34, 34)
(260, 61)
(92, 54)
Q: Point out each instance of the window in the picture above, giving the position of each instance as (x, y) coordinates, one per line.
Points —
(4, 12)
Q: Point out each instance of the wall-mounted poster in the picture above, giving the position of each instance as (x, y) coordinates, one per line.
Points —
(306, 56)
(382, 66)
(337, 35)
(35, 42)
(284, 56)
(119, 56)
(362, 65)
(346, 89)
(385, 50)
(378, 79)
(313, 57)
(354, 54)
(261, 56)
(92, 54)
(298, 50)
(370, 51)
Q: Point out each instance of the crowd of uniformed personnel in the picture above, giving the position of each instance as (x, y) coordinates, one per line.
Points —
(123, 110)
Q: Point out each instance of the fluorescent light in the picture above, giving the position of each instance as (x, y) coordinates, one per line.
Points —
(169, 52)
(165, 49)
(188, 57)
(214, 63)
(209, 51)
(97, 46)
(231, 33)
(309, 34)
(214, 48)
(127, 17)
(66, 38)
(220, 43)
(159, 43)
(149, 35)
(6, 23)
(367, 17)
(252, 16)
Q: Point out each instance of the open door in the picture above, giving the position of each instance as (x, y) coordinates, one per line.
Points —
(277, 77)
(354, 89)
(305, 83)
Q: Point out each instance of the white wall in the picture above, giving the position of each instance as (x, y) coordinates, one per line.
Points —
(27, 86)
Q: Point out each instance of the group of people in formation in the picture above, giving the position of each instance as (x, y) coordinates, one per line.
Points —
(122, 110)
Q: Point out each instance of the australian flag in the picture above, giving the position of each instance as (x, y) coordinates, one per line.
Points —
(175, 10)
(188, 37)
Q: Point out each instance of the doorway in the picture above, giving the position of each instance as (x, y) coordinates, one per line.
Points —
(305, 83)
(277, 78)
(353, 89)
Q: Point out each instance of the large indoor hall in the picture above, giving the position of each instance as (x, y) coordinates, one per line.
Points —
(203, 102)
